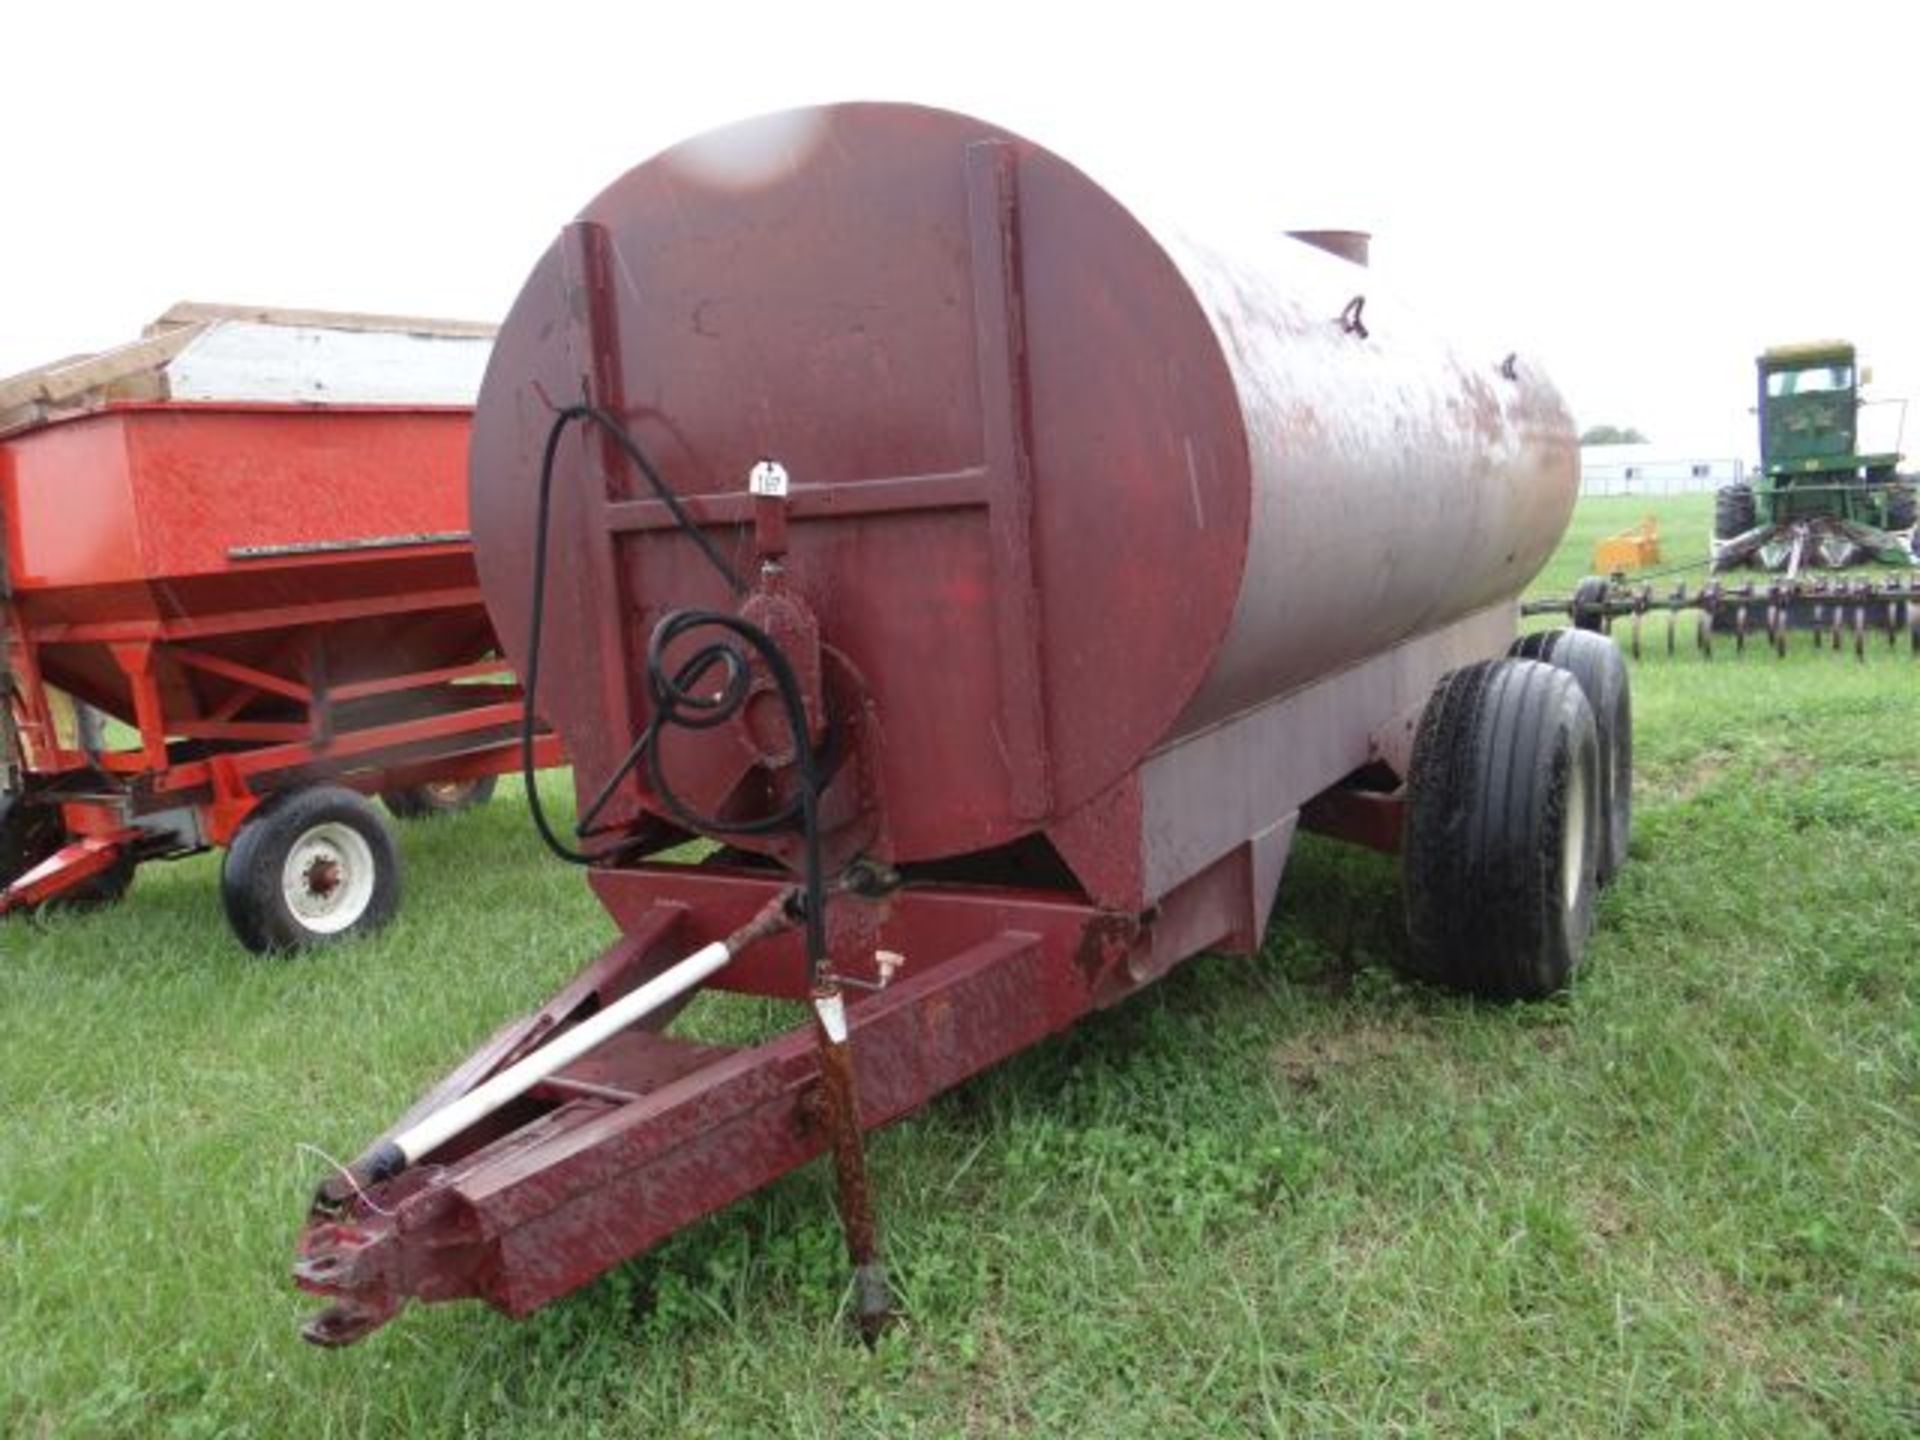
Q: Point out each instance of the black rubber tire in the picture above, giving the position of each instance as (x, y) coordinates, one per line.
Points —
(1734, 512)
(1499, 900)
(29, 833)
(1589, 596)
(1595, 663)
(446, 797)
(109, 887)
(251, 876)
(1901, 505)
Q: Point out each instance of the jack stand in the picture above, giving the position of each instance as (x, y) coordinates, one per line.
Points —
(872, 1296)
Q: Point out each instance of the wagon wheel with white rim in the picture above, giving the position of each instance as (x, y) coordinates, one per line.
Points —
(312, 866)
(438, 797)
(1503, 830)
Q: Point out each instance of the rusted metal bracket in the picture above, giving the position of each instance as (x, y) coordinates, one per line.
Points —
(993, 220)
(594, 343)
(1360, 817)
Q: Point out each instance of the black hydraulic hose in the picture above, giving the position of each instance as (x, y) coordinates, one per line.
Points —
(536, 625)
(677, 698)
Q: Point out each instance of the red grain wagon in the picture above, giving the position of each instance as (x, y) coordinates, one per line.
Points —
(244, 539)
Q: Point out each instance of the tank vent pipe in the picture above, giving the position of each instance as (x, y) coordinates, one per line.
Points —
(1354, 245)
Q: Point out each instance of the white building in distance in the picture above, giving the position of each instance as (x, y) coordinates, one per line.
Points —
(1649, 469)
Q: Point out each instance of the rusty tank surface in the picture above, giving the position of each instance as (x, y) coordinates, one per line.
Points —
(1001, 570)
(1069, 483)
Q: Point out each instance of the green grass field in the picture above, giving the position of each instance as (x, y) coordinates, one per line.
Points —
(1286, 1195)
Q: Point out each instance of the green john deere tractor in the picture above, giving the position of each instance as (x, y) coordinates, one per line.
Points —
(1815, 503)
(1818, 501)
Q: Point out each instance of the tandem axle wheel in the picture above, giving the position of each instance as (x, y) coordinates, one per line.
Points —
(1504, 830)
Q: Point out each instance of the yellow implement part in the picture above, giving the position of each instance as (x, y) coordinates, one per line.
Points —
(1633, 549)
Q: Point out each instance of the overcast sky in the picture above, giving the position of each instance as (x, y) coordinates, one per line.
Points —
(1642, 195)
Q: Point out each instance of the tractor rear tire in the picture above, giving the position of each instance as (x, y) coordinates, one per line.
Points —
(1502, 831)
(1734, 511)
(438, 797)
(312, 866)
(1602, 675)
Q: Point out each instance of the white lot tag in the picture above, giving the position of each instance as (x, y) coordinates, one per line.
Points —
(768, 477)
(832, 1009)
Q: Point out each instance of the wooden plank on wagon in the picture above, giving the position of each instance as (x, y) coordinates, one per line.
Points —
(195, 312)
(67, 381)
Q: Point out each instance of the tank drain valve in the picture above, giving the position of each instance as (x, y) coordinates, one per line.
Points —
(886, 963)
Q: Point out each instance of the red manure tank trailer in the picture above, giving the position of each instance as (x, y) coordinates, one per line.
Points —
(244, 538)
(1001, 571)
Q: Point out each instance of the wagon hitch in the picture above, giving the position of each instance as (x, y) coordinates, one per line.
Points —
(69, 871)
(362, 1250)
(345, 1264)
(391, 1157)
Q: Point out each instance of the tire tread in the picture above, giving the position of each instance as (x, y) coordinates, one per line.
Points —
(1487, 790)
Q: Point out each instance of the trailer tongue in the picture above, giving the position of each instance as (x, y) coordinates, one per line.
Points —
(999, 576)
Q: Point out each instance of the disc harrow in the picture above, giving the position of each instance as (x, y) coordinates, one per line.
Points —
(1840, 613)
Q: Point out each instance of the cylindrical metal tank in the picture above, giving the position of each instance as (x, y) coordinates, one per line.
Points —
(1071, 478)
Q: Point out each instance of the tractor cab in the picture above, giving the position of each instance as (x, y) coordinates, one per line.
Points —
(1818, 500)
(1809, 399)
